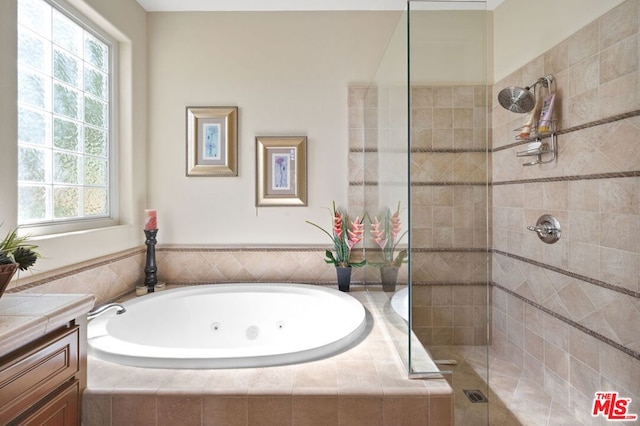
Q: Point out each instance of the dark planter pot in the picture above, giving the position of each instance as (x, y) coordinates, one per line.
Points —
(344, 277)
(6, 273)
(389, 277)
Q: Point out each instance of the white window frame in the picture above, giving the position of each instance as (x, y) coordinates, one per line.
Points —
(61, 226)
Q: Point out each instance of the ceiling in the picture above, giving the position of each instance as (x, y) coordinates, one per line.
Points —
(309, 5)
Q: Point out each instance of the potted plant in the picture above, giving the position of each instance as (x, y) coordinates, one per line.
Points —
(386, 235)
(345, 235)
(16, 253)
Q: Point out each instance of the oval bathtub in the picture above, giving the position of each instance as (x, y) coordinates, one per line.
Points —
(228, 326)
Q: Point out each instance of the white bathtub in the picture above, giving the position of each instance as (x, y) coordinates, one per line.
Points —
(229, 326)
(400, 303)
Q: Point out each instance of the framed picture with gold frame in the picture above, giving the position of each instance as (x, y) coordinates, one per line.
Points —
(281, 171)
(212, 141)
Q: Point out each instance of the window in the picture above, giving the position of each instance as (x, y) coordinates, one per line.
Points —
(64, 117)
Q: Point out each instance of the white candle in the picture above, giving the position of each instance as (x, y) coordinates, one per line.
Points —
(150, 220)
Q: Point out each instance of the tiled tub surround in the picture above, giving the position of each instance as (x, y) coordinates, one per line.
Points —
(365, 385)
(106, 278)
(111, 277)
(567, 314)
(197, 265)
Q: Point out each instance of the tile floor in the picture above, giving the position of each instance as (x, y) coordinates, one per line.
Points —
(513, 398)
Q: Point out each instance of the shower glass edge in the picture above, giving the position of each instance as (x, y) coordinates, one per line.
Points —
(391, 141)
(448, 56)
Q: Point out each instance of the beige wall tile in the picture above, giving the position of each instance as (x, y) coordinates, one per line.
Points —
(96, 410)
(463, 118)
(422, 97)
(133, 409)
(584, 348)
(557, 58)
(443, 118)
(584, 43)
(443, 138)
(422, 118)
(360, 411)
(270, 411)
(179, 409)
(221, 410)
(619, 96)
(582, 108)
(584, 76)
(464, 96)
(618, 60)
(620, 23)
(415, 411)
(619, 369)
(443, 97)
(620, 267)
(315, 411)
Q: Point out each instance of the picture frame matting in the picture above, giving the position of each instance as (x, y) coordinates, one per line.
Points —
(212, 140)
(281, 171)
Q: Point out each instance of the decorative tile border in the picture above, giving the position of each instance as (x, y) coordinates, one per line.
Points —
(572, 323)
(423, 150)
(451, 250)
(76, 270)
(583, 126)
(449, 283)
(571, 178)
(616, 175)
(414, 184)
(240, 249)
(584, 278)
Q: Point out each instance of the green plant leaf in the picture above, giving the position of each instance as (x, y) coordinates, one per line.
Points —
(330, 258)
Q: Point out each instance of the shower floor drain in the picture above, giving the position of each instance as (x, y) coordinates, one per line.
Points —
(475, 396)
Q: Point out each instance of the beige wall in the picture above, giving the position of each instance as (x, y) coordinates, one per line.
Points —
(288, 73)
(124, 20)
(524, 29)
(447, 47)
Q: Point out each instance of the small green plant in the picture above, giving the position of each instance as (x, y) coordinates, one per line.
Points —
(16, 249)
(345, 234)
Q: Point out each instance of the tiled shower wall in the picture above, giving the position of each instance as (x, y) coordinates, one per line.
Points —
(448, 197)
(568, 313)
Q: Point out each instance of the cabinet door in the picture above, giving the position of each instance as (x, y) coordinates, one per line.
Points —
(33, 373)
(61, 410)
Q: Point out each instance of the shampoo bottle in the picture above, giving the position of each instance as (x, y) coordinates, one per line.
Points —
(546, 115)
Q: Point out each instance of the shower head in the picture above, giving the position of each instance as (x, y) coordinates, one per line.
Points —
(521, 99)
(516, 99)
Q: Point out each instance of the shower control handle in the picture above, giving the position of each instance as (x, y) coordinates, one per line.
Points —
(545, 229)
(548, 229)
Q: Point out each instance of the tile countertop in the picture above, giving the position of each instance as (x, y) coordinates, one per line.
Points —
(26, 317)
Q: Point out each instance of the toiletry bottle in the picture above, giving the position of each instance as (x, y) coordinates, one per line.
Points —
(546, 115)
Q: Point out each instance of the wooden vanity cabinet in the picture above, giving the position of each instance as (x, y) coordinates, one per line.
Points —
(42, 382)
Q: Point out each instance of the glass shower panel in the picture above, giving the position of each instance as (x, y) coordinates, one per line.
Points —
(424, 144)
(386, 197)
(449, 181)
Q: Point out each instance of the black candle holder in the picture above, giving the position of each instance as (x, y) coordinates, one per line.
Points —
(150, 269)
